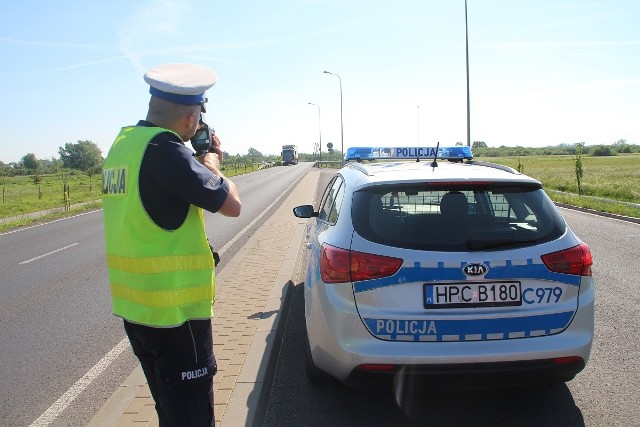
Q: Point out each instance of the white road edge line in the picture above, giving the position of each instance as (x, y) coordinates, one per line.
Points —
(595, 214)
(49, 253)
(49, 222)
(232, 241)
(65, 400)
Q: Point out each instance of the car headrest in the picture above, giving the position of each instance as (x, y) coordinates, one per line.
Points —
(454, 205)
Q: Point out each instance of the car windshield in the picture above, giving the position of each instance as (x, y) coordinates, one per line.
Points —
(472, 217)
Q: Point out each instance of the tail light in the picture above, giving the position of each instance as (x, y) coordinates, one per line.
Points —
(341, 265)
(334, 264)
(576, 260)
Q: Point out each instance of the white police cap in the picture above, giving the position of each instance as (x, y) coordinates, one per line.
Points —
(181, 83)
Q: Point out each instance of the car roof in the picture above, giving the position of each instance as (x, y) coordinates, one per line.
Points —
(406, 172)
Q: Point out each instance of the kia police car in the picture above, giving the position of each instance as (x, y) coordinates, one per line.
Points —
(454, 272)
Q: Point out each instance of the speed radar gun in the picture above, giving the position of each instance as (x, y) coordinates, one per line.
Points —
(201, 141)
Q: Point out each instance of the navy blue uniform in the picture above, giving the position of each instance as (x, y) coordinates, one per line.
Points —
(178, 363)
(171, 179)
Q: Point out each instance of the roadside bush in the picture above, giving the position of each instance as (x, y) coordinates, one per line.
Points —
(624, 149)
(602, 150)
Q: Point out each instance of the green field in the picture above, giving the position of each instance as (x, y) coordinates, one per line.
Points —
(615, 178)
(20, 195)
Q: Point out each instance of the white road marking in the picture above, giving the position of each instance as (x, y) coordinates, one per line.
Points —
(232, 241)
(49, 222)
(600, 215)
(65, 400)
(49, 253)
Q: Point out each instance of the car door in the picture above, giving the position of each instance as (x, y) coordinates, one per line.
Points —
(328, 212)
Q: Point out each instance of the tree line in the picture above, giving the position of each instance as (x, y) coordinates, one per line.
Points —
(86, 156)
(621, 146)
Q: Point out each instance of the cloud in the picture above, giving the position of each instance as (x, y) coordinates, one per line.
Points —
(54, 44)
(66, 67)
(538, 45)
(151, 23)
(184, 51)
(564, 48)
(589, 5)
(161, 23)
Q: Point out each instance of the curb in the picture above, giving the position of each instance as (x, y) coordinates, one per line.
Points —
(249, 398)
(243, 401)
(599, 213)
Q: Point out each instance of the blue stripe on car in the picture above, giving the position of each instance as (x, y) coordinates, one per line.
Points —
(498, 271)
(468, 330)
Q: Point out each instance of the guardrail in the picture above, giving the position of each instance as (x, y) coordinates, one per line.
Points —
(335, 164)
(265, 165)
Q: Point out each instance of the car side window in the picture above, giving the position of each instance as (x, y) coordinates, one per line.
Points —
(325, 204)
(337, 204)
(330, 207)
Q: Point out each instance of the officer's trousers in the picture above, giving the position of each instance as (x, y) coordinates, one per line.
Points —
(179, 366)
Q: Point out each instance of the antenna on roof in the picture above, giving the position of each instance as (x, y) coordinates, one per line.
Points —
(434, 164)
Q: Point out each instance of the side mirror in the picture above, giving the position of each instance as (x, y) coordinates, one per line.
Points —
(304, 211)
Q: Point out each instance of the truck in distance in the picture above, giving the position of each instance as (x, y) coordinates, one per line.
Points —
(289, 155)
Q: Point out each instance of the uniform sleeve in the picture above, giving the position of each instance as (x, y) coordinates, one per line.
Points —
(178, 173)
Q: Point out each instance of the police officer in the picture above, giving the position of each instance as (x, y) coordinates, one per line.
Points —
(161, 267)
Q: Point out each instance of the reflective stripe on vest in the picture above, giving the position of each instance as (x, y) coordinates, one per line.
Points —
(160, 264)
(162, 299)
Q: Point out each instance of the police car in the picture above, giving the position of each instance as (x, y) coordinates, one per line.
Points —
(424, 263)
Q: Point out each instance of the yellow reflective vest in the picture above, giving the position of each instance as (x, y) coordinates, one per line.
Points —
(158, 277)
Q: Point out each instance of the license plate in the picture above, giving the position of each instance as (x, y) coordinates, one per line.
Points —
(468, 294)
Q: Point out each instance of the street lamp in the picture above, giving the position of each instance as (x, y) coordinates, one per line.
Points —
(319, 129)
(466, 32)
(341, 124)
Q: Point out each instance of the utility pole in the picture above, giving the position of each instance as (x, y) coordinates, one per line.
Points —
(466, 31)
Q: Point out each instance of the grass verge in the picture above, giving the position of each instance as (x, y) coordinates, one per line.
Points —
(558, 186)
(28, 220)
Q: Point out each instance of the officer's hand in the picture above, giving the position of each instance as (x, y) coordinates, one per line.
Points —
(211, 161)
(215, 146)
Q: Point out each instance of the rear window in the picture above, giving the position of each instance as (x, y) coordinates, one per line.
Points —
(463, 218)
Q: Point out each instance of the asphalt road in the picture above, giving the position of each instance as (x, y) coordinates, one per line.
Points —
(55, 306)
(606, 393)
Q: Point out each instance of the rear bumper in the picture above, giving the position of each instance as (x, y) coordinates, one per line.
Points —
(340, 343)
(465, 376)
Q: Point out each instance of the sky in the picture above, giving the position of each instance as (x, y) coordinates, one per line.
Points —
(541, 72)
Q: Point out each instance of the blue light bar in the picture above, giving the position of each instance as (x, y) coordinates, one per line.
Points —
(376, 153)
